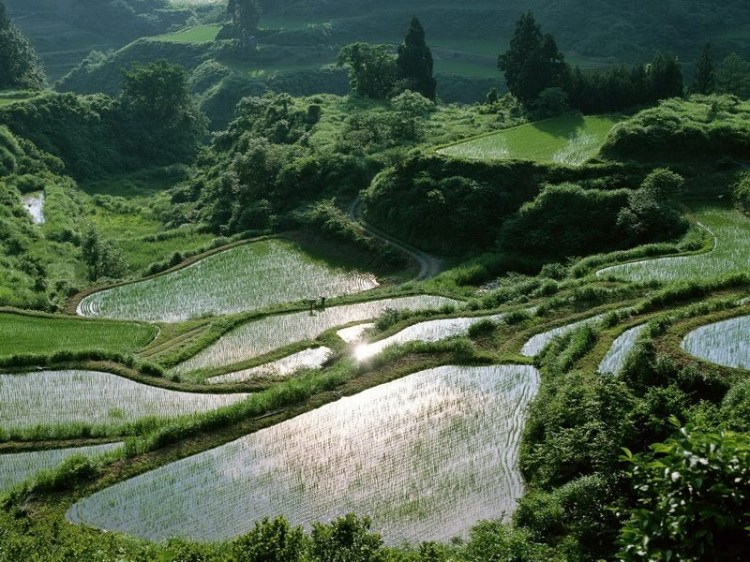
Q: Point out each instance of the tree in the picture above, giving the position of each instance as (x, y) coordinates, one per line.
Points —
(271, 541)
(19, 65)
(664, 77)
(704, 75)
(733, 77)
(245, 16)
(533, 63)
(372, 69)
(159, 114)
(414, 63)
(347, 539)
(693, 499)
(101, 258)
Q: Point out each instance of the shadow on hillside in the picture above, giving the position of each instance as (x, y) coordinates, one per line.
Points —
(564, 126)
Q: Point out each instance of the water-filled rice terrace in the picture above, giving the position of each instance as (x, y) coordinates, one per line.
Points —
(425, 456)
(247, 277)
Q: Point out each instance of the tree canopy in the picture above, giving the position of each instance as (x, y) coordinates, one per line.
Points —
(533, 63)
(414, 63)
(19, 65)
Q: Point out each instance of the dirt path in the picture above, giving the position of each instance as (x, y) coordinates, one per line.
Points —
(429, 266)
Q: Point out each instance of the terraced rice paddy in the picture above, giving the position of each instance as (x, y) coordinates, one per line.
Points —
(724, 343)
(615, 358)
(354, 334)
(34, 203)
(570, 139)
(537, 343)
(425, 456)
(313, 358)
(731, 230)
(55, 398)
(17, 467)
(246, 277)
(429, 331)
(262, 336)
(21, 333)
(197, 34)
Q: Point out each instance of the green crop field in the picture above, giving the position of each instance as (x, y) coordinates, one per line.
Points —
(571, 140)
(198, 34)
(397, 452)
(246, 277)
(731, 231)
(272, 332)
(21, 333)
(59, 398)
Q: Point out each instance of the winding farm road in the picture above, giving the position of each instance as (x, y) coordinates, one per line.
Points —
(429, 265)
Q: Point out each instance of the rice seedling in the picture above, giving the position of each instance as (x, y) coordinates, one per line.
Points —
(724, 343)
(267, 334)
(538, 342)
(313, 358)
(34, 204)
(355, 334)
(246, 277)
(17, 467)
(615, 358)
(197, 34)
(428, 331)
(581, 146)
(39, 334)
(55, 398)
(570, 139)
(425, 456)
(731, 231)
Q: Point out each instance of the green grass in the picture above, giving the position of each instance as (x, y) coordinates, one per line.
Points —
(13, 96)
(246, 277)
(732, 246)
(41, 334)
(198, 34)
(570, 139)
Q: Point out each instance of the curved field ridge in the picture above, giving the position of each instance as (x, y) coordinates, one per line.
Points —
(615, 358)
(724, 343)
(243, 278)
(307, 359)
(429, 331)
(52, 398)
(261, 336)
(425, 456)
(537, 343)
(17, 467)
(731, 231)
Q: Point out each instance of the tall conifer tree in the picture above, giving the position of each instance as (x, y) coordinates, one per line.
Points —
(414, 62)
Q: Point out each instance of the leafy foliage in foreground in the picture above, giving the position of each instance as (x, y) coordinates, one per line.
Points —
(693, 499)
